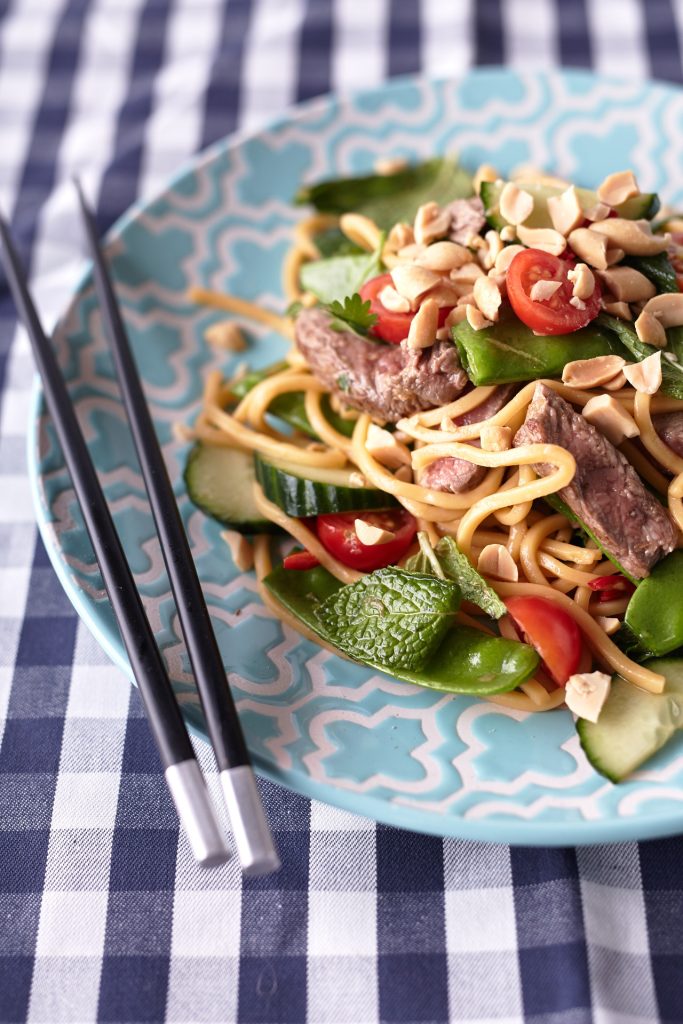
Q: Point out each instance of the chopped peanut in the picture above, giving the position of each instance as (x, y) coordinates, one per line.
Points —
(543, 290)
(412, 282)
(614, 256)
(496, 561)
(597, 212)
(589, 247)
(371, 535)
(392, 301)
(584, 282)
(506, 256)
(565, 211)
(485, 172)
(577, 303)
(387, 165)
(475, 318)
(508, 233)
(627, 284)
(515, 204)
(668, 308)
(384, 447)
(495, 247)
(361, 230)
(456, 316)
(226, 335)
(495, 439)
(622, 310)
(444, 256)
(645, 376)
(431, 222)
(617, 188)
(609, 624)
(546, 239)
(589, 373)
(633, 236)
(610, 417)
(467, 274)
(487, 297)
(424, 325)
(650, 330)
(400, 236)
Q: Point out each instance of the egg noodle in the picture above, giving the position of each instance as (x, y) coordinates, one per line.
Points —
(499, 510)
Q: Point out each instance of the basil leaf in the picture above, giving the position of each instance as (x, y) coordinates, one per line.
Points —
(672, 373)
(391, 617)
(389, 198)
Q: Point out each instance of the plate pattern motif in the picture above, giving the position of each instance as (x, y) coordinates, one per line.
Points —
(343, 733)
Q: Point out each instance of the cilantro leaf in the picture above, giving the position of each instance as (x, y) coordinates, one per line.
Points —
(353, 313)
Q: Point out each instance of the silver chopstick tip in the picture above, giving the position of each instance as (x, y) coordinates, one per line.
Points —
(197, 813)
(250, 829)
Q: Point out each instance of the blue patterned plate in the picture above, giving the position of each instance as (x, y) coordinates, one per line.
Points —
(325, 728)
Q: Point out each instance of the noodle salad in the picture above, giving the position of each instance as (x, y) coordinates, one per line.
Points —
(475, 441)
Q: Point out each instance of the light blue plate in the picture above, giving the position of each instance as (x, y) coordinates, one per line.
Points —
(341, 733)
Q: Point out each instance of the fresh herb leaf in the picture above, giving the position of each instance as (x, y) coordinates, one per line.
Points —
(334, 278)
(391, 617)
(672, 373)
(353, 313)
(456, 566)
(333, 242)
(343, 382)
(294, 308)
(473, 586)
(390, 198)
(657, 269)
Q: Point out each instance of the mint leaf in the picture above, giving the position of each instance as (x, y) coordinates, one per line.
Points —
(353, 313)
(334, 278)
(392, 617)
(473, 586)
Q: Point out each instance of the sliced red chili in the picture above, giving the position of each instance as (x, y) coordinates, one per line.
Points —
(300, 560)
(615, 583)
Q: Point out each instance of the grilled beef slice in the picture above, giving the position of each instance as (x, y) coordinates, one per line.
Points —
(388, 381)
(669, 426)
(467, 219)
(458, 475)
(606, 492)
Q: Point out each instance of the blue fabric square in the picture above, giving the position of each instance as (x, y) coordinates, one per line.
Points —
(139, 751)
(545, 865)
(31, 745)
(549, 913)
(414, 920)
(554, 978)
(660, 863)
(407, 862)
(412, 987)
(23, 855)
(274, 923)
(272, 990)
(145, 802)
(47, 596)
(15, 987)
(143, 859)
(292, 846)
(133, 989)
(39, 691)
(667, 974)
(139, 924)
(47, 642)
(41, 559)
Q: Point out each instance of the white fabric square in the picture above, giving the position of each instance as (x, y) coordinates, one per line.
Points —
(479, 920)
(206, 924)
(72, 923)
(100, 691)
(13, 590)
(615, 918)
(342, 923)
(85, 800)
(15, 412)
(16, 503)
(325, 818)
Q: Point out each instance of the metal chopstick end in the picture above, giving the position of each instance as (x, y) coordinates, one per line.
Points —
(251, 832)
(197, 813)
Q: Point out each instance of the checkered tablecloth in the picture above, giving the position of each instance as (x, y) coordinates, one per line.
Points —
(103, 915)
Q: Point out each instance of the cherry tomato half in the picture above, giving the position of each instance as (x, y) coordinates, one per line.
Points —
(551, 630)
(391, 327)
(300, 560)
(337, 534)
(555, 315)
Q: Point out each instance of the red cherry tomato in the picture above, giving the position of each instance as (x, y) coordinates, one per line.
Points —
(300, 560)
(555, 315)
(391, 327)
(552, 631)
(338, 535)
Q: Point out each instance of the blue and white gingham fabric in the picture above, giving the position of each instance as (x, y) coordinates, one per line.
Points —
(103, 915)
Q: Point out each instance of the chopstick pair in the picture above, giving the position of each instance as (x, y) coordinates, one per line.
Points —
(186, 783)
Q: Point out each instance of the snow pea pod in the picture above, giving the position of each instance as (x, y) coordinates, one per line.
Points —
(654, 616)
(466, 661)
(509, 351)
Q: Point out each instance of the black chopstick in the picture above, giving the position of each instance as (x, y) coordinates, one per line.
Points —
(185, 780)
(249, 825)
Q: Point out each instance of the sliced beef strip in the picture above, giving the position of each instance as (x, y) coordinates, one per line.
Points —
(606, 492)
(388, 381)
(467, 219)
(669, 426)
(458, 475)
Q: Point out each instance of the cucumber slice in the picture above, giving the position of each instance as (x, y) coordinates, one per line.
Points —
(315, 491)
(634, 724)
(220, 482)
(644, 205)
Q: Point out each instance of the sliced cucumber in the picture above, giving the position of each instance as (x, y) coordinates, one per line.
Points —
(315, 491)
(220, 482)
(634, 724)
(644, 205)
